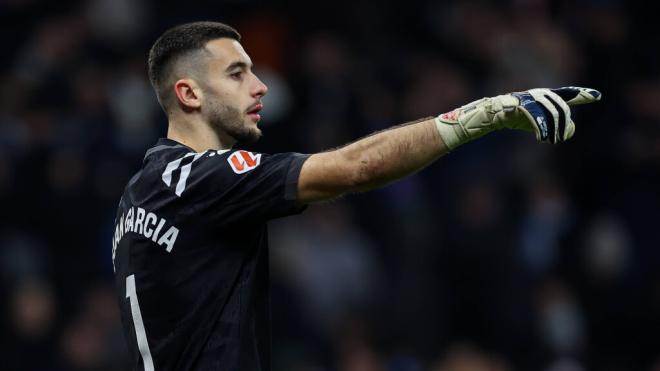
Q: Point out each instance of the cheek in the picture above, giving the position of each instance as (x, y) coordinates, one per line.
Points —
(229, 92)
(222, 96)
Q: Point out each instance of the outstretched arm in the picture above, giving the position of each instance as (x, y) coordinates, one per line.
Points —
(381, 158)
(370, 162)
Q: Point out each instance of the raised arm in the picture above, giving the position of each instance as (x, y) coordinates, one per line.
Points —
(381, 158)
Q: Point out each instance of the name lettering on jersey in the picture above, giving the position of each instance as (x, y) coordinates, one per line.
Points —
(147, 224)
(243, 161)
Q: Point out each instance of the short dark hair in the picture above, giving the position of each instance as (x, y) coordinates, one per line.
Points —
(181, 41)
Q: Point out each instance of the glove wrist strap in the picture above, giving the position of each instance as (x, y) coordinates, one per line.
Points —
(452, 134)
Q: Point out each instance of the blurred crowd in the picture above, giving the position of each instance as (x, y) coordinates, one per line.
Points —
(506, 255)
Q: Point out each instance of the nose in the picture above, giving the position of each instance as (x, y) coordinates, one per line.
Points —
(260, 89)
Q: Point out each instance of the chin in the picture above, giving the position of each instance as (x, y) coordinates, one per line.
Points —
(251, 134)
(256, 134)
(254, 130)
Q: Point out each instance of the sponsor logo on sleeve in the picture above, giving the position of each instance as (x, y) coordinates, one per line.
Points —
(243, 161)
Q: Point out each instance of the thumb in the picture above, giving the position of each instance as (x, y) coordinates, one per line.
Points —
(574, 95)
(570, 130)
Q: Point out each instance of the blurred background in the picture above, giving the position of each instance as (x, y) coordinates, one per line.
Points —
(505, 255)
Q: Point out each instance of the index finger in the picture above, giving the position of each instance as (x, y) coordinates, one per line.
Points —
(574, 95)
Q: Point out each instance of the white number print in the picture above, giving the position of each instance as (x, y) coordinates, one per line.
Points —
(140, 333)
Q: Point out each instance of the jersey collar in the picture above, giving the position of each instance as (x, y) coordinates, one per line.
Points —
(165, 143)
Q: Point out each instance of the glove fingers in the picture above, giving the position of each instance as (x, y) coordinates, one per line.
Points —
(556, 112)
(570, 130)
(563, 118)
(535, 113)
(574, 95)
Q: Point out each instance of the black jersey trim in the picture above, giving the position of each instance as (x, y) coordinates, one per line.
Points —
(166, 143)
(291, 185)
(161, 147)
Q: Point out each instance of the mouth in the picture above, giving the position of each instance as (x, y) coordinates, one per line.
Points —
(253, 112)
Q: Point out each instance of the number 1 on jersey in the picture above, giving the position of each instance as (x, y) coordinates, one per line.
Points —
(140, 333)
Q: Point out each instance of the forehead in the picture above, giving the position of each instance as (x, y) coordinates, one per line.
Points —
(224, 52)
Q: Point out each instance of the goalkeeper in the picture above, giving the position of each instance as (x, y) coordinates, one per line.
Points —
(190, 248)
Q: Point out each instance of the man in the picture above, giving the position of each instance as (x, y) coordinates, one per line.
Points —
(190, 245)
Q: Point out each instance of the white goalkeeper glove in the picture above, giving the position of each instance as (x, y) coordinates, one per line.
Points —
(545, 112)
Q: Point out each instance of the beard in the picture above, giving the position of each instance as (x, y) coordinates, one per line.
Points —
(228, 120)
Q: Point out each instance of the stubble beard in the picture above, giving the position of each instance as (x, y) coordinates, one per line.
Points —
(228, 120)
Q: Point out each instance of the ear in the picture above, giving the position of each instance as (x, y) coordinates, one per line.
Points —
(188, 93)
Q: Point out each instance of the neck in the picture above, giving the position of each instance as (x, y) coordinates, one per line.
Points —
(197, 134)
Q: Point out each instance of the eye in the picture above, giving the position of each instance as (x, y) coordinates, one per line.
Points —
(237, 75)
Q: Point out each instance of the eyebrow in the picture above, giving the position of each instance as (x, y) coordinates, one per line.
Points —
(239, 64)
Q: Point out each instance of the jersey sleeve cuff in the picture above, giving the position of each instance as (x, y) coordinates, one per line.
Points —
(291, 186)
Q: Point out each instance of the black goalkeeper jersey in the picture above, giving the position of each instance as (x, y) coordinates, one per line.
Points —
(190, 254)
